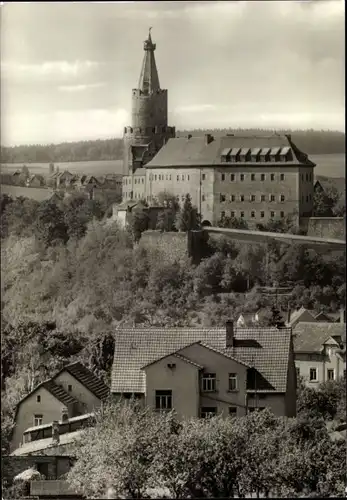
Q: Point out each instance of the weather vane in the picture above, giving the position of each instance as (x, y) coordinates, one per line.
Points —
(149, 31)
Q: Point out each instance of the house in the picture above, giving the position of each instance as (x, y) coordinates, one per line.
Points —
(73, 392)
(320, 351)
(203, 371)
(300, 315)
(35, 180)
(123, 212)
(247, 319)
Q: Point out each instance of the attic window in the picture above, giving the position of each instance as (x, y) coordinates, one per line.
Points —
(171, 366)
(264, 154)
(38, 399)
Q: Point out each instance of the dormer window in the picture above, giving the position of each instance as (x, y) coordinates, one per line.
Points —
(274, 154)
(264, 154)
(234, 154)
(284, 154)
(244, 154)
(225, 155)
(255, 154)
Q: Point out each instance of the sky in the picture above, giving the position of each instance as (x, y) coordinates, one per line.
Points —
(67, 69)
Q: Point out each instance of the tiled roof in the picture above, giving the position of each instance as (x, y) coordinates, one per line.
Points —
(183, 358)
(322, 316)
(88, 379)
(59, 393)
(267, 349)
(295, 316)
(182, 151)
(309, 337)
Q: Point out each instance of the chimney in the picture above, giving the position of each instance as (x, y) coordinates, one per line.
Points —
(289, 312)
(64, 415)
(208, 139)
(55, 432)
(230, 339)
(342, 315)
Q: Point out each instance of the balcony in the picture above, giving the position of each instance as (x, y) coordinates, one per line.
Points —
(54, 488)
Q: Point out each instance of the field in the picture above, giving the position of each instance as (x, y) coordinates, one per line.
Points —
(38, 194)
(327, 165)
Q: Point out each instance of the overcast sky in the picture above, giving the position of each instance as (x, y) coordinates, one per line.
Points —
(68, 68)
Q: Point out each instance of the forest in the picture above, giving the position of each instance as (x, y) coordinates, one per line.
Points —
(312, 142)
(71, 276)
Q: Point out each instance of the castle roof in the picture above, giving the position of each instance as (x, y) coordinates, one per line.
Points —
(203, 151)
(149, 79)
(265, 349)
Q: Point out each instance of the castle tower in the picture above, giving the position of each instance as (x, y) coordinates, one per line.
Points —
(149, 130)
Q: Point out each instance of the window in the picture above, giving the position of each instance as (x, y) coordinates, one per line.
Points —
(223, 177)
(232, 197)
(272, 177)
(331, 374)
(297, 369)
(178, 177)
(69, 388)
(313, 374)
(344, 374)
(163, 400)
(282, 177)
(253, 215)
(208, 382)
(307, 199)
(302, 177)
(252, 177)
(222, 198)
(208, 411)
(203, 197)
(282, 215)
(262, 198)
(203, 177)
(307, 177)
(187, 177)
(232, 411)
(272, 214)
(143, 180)
(170, 177)
(272, 197)
(38, 399)
(222, 215)
(282, 197)
(232, 177)
(252, 197)
(155, 177)
(262, 177)
(242, 198)
(232, 214)
(302, 198)
(310, 197)
(182, 177)
(262, 214)
(242, 214)
(38, 419)
(242, 177)
(233, 382)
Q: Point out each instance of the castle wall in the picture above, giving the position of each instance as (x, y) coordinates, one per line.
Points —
(324, 227)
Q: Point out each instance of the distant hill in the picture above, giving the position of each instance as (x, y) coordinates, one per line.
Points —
(314, 142)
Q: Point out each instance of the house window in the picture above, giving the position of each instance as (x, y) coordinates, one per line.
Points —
(242, 198)
(282, 215)
(232, 411)
(232, 214)
(38, 419)
(223, 177)
(262, 214)
(313, 374)
(69, 388)
(262, 198)
(233, 382)
(242, 177)
(253, 215)
(203, 177)
(272, 197)
(222, 198)
(272, 177)
(163, 400)
(272, 214)
(208, 382)
(331, 374)
(242, 214)
(297, 369)
(38, 399)
(252, 197)
(203, 197)
(252, 177)
(262, 177)
(232, 197)
(282, 197)
(232, 177)
(208, 411)
(282, 177)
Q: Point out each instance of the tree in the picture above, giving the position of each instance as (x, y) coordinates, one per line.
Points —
(322, 204)
(49, 225)
(138, 223)
(232, 222)
(276, 318)
(187, 218)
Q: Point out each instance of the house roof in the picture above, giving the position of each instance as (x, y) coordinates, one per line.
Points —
(182, 151)
(87, 378)
(43, 444)
(310, 337)
(59, 393)
(324, 317)
(79, 418)
(296, 315)
(267, 349)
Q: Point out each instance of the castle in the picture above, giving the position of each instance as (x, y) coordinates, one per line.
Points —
(257, 178)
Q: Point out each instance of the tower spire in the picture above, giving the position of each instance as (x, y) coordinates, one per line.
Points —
(149, 80)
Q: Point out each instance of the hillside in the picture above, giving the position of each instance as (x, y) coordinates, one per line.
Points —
(314, 142)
